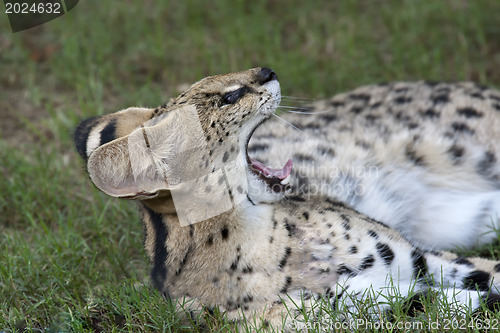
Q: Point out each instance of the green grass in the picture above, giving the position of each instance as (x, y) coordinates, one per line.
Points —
(72, 258)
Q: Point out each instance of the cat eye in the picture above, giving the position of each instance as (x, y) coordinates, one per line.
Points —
(233, 96)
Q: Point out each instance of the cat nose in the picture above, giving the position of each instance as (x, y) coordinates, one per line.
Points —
(265, 75)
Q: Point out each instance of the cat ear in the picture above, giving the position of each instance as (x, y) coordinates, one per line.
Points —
(155, 156)
(111, 170)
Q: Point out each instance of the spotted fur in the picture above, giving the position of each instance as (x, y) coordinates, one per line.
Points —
(422, 157)
(270, 250)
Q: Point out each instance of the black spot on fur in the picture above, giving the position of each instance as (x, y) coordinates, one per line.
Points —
(419, 263)
(402, 100)
(225, 157)
(371, 118)
(360, 97)
(477, 95)
(367, 262)
(296, 198)
(356, 109)
(310, 126)
(306, 215)
(225, 233)
(282, 263)
(353, 250)
(288, 282)
(257, 147)
(291, 228)
(496, 106)
(159, 270)
(346, 222)
(271, 240)
(477, 280)
(329, 293)
(373, 234)
(435, 253)
(329, 117)
(486, 164)
(415, 304)
(234, 265)
(411, 154)
(303, 158)
(247, 270)
(440, 99)
(401, 116)
(461, 128)
(247, 299)
(463, 261)
(456, 152)
(328, 151)
(337, 104)
(469, 113)
(375, 105)
(210, 240)
(430, 113)
(344, 270)
(492, 301)
(346, 236)
(497, 268)
(385, 253)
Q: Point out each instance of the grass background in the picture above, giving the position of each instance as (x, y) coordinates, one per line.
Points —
(71, 259)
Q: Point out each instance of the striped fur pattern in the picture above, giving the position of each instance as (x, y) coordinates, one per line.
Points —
(272, 249)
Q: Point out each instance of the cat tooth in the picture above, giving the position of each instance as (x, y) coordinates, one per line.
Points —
(285, 181)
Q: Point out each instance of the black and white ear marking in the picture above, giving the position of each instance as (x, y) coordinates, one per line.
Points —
(82, 135)
(97, 131)
(91, 134)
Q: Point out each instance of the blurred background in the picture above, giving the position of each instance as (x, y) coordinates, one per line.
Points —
(71, 257)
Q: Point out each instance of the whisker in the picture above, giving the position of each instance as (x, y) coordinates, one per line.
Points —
(299, 110)
(296, 98)
(305, 112)
(295, 129)
(294, 107)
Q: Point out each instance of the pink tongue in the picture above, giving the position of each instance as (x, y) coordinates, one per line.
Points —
(268, 172)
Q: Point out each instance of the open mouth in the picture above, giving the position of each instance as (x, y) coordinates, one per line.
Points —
(276, 179)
